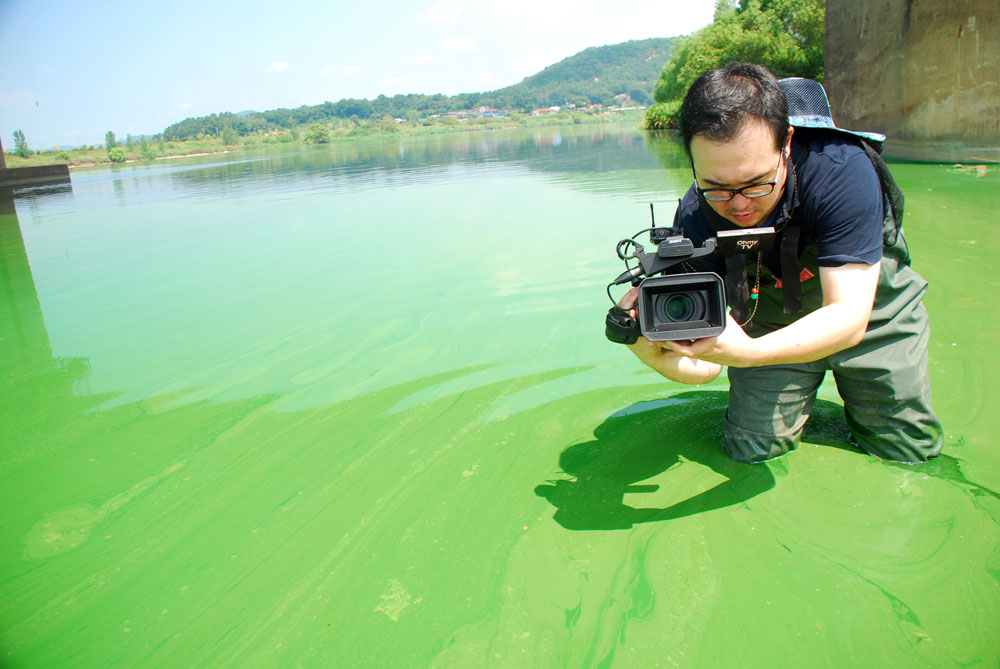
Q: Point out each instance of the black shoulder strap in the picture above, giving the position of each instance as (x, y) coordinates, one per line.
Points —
(736, 285)
(791, 281)
(892, 196)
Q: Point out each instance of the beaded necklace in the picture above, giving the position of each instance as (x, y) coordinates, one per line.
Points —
(754, 293)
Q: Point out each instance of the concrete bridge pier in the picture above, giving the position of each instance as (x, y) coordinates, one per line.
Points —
(924, 72)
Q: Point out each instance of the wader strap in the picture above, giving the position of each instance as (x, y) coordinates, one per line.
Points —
(736, 284)
(891, 195)
(791, 282)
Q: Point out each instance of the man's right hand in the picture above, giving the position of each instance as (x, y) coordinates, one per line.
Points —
(627, 303)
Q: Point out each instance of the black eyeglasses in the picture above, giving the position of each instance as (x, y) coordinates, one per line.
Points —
(753, 190)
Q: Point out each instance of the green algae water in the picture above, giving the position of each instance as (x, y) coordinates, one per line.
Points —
(353, 406)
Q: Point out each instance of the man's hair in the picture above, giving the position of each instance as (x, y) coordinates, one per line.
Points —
(721, 101)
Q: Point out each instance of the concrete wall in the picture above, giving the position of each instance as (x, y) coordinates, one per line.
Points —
(924, 72)
(38, 175)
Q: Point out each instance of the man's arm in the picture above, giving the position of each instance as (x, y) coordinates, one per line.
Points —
(848, 296)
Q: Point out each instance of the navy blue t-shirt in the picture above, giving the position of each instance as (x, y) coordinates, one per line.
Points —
(833, 192)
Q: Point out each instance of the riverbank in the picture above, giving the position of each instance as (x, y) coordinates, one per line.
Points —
(148, 150)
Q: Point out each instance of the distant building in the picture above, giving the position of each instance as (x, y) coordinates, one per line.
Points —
(480, 112)
(545, 110)
(492, 112)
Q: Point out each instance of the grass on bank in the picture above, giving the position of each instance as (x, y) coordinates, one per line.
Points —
(333, 132)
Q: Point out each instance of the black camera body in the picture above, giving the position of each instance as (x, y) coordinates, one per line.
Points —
(677, 306)
(673, 307)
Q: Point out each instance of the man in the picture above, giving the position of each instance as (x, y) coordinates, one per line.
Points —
(835, 292)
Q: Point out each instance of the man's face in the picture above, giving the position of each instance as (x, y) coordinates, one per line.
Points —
(748, 158)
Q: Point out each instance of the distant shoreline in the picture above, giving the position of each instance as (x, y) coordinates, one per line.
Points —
(146, 160)
(148, 151)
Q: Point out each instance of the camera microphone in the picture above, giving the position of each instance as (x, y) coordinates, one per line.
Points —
(628, 275)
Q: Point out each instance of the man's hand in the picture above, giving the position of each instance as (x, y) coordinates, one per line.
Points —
(731, 347)
(668, 363)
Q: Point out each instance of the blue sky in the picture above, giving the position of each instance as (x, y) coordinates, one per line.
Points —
(71, 71)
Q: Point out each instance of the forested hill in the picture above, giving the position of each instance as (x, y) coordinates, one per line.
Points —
(597, 75)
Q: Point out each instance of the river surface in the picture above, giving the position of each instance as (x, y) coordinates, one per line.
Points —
(353, 406)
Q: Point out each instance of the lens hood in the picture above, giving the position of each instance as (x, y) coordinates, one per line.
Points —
(682, 306)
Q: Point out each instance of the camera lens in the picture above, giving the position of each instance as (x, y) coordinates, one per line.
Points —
(681, 306)
(678, 307)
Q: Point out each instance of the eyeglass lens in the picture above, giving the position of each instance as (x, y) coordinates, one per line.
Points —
(751, 191)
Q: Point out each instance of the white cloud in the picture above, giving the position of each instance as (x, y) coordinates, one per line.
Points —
(577, 27)
(351, 69)
(446, 12)
(186, 105)
(462, 44)
(277, 66)
(675, 17)
(423, 58)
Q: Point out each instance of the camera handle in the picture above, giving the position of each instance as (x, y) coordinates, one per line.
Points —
(670, 252)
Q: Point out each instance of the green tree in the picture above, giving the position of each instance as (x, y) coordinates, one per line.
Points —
(146, 149)
(639, 96)
(229, 135)
(21, 145)
(662, 115)
(117, 155)
(388, 125)
(786, 36)
(109, 140)
(317, 134)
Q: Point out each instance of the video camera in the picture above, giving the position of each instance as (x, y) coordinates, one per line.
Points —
(677, 306)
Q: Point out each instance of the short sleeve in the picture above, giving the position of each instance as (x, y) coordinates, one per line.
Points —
(843, 207)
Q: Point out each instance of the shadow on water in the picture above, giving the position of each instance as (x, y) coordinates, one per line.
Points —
(827, 427)
(949, 469)
(637, 444)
